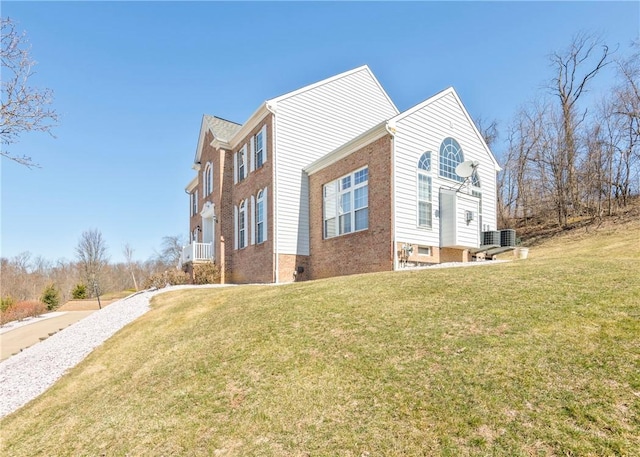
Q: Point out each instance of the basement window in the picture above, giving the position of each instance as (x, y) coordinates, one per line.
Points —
(424, 250)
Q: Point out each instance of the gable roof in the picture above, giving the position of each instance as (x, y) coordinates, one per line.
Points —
(221, 129)
(439, 95)
(271, 105)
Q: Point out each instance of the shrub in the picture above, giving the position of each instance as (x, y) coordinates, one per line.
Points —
(51, 297)
(206, 273)
(22, 310)
(6, 302)
(167, 278)
(79, 292)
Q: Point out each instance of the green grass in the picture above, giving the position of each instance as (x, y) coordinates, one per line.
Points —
(531, 358)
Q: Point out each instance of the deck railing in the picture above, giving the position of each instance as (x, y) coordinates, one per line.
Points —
(196, 252)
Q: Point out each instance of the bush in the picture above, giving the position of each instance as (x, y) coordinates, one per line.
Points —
(79, 292)
(51, 297)
(22, 310)
(206, 273)
(167, 278)
(6, 302)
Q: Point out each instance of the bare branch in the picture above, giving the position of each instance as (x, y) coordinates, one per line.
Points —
(23, 108)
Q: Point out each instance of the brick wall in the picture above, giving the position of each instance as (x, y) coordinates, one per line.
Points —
(359, 252)
(253, 263)
(288, 265)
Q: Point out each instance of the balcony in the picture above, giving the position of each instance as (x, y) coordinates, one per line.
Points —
(197, 252)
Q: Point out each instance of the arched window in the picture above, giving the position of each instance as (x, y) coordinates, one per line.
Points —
(242, 225)
(208, 179)
(260, 217)
(450, 157)
(425, 162)
(424, 191)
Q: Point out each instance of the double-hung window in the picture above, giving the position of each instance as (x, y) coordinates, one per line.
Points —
(194, 203)
(242, 225)
(424, 191)
(241, 164)
(261, 217)
(346, 204)
(258, 149)
(208, 179)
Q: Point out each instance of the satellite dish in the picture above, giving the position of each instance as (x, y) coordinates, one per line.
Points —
(465, 169)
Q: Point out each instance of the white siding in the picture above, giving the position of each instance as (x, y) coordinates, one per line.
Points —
(424, 130)
(310, 124)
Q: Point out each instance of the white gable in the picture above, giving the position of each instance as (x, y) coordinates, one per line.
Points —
(310, 123)
(422, 129)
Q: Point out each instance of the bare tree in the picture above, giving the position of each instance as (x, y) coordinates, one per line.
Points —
(171, 250)
(92, 257)
(24, 108)
(488, 130)
(575, 67)
(127, 250)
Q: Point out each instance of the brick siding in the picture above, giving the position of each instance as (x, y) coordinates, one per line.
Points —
(359, 252)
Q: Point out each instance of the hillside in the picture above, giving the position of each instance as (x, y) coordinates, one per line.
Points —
(536, 357)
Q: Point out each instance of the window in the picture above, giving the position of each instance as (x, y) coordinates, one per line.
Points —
(241, 164)
(346, 204)
(208, 179)
(261, 217)
(424, 191)
(450, 157)
(258, 148)
(476, 191)
(242, 225)
(424, 250)
(194, 203)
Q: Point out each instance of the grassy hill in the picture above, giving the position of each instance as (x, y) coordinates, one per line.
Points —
(534, 358)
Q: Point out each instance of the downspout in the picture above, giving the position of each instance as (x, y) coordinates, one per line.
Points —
(274, 207)
(390, 126)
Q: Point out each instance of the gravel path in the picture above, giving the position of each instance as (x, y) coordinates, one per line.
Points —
(29, 373)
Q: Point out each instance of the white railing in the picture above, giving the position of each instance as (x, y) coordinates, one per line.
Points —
(197, 252)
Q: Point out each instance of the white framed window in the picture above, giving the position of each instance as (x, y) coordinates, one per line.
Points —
(476, 190)
(424, 250)
(451, 156)
(260, 217)
(258, 149)
(242, 225)
(240, 164)
(208, 179)
(194, 203)
(425, 206)
(346, 204)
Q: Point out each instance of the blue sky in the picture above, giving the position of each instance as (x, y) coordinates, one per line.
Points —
(132, 80)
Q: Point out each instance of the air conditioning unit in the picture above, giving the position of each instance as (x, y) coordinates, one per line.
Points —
(508, 238)
(491, 238)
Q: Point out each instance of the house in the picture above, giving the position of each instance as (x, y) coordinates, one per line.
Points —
(331, 179)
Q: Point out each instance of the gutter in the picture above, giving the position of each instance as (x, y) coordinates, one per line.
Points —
(390, 126)
(274, 208)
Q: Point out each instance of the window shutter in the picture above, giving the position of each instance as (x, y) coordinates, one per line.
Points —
(235, 167)
(252, 144)
(264, 143)
(264, 217)
(253, 219)
(235, 227)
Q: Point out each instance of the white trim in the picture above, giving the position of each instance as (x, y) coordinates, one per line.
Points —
(235, 227)
(348, 148)
(249, 125)
(265, 217)
(252, 240)
(251, 152)
(274, 101)
(192, 184)
(439, 95)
